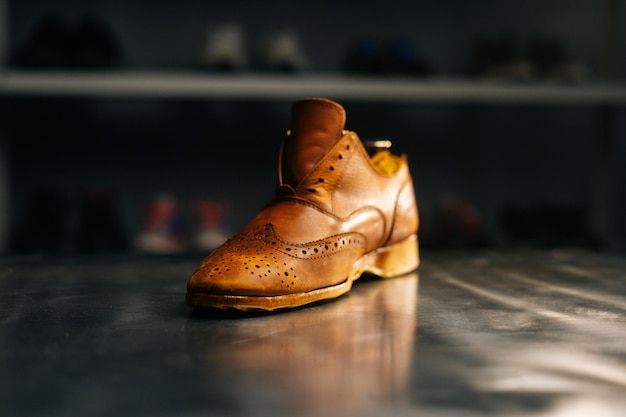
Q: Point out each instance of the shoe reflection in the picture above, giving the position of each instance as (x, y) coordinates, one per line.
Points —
(342, 356)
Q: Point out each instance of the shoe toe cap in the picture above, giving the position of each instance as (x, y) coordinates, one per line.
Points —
(259, 263)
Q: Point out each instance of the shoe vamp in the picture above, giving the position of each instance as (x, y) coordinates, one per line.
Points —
(300, 223)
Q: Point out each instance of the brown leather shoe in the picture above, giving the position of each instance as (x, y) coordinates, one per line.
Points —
(337, 212)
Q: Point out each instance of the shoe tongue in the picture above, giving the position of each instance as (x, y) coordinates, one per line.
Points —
(316, 125)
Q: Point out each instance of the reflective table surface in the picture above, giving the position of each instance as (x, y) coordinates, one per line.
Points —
(513, 333)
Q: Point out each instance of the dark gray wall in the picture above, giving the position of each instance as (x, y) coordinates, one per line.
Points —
(494, 158)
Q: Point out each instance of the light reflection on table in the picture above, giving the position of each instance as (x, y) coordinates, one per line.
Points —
(342, 356)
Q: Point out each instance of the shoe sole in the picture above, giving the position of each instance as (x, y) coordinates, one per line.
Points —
(386, 262)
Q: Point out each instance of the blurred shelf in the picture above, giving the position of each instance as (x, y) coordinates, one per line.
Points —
(180, 84)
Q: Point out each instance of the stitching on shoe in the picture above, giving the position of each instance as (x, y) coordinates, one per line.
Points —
(309, 250)
(311, 179)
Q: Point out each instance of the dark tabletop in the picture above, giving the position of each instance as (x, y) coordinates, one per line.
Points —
(520, 333)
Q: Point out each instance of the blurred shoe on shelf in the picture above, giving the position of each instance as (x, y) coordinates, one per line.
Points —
(551, 61)
(94, 45)
(224, 48)
(47, 47)
(55, 44)
(399, 57)
(500, 57)
(363, 57)
(212, 225)
(456, 224)
(163, 233)
(283, 52)
(504, 57)
(390, 57)
(547, 226)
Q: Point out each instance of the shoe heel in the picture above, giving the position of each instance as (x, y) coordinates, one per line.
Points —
(394, 260)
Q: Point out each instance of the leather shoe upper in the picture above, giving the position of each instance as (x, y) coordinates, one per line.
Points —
(334, 205)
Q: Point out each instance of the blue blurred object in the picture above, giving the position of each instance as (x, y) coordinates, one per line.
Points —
(392, 57)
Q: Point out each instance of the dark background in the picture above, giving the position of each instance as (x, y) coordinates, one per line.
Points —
(524, 175)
